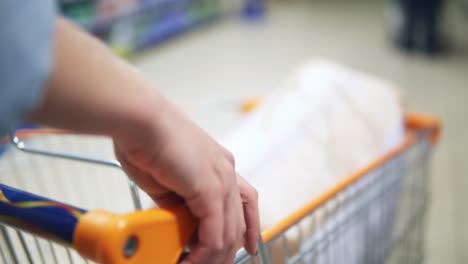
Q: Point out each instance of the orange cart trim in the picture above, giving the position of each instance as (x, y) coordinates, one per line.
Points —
(27, 133)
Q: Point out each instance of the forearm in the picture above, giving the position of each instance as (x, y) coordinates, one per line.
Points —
(169, 157)
(92, 91)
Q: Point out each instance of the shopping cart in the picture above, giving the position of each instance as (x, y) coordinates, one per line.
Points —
(375, 215)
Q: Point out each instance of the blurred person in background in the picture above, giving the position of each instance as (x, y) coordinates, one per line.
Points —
(55, 74)
(420, 25)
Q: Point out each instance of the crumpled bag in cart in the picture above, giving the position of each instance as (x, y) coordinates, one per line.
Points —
(323, 124)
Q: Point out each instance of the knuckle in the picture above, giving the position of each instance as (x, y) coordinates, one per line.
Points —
(243, 229)
(252, 194)
(255, 194)
(231, 240)
(227, 188)
(222, 190)
(226, 175)
(217, 246)
(230, 157)
(217, 190)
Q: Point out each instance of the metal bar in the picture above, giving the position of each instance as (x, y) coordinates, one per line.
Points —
(25, 247)
(52, 250)
(70, 257)
(135, 195)
(285, 248)
(261, 251)
(20, 145)
(7, 238)
(2, 254)
(39, 249)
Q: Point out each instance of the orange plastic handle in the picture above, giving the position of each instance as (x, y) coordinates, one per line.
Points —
(152, 236)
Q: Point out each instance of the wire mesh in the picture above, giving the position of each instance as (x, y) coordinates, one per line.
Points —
(378, 219)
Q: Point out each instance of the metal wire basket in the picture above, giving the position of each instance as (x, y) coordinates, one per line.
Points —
(375, 215)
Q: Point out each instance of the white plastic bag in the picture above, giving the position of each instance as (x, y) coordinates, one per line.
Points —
(324, 123)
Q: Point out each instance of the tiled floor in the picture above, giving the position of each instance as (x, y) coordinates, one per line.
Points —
(232, 58)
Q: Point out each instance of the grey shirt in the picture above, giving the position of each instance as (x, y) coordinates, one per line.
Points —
(26, 56)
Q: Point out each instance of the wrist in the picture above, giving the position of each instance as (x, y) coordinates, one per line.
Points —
(141, 116)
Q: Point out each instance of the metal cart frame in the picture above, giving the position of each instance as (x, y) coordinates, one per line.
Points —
(375, 215)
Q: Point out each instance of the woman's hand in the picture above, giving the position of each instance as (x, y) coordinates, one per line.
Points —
(174, 161)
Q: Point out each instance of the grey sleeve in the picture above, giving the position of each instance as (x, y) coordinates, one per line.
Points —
(26, 56)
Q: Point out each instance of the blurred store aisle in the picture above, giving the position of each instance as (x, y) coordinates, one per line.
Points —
(235, 58)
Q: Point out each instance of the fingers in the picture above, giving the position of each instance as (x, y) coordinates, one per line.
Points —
(235, 229)
(250, 207)
(224, 203)
(221, 233)
(210, 242)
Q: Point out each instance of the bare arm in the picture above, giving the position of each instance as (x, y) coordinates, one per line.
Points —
(92, 91)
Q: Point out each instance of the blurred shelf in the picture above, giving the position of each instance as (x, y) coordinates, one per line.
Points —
(131, 26)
